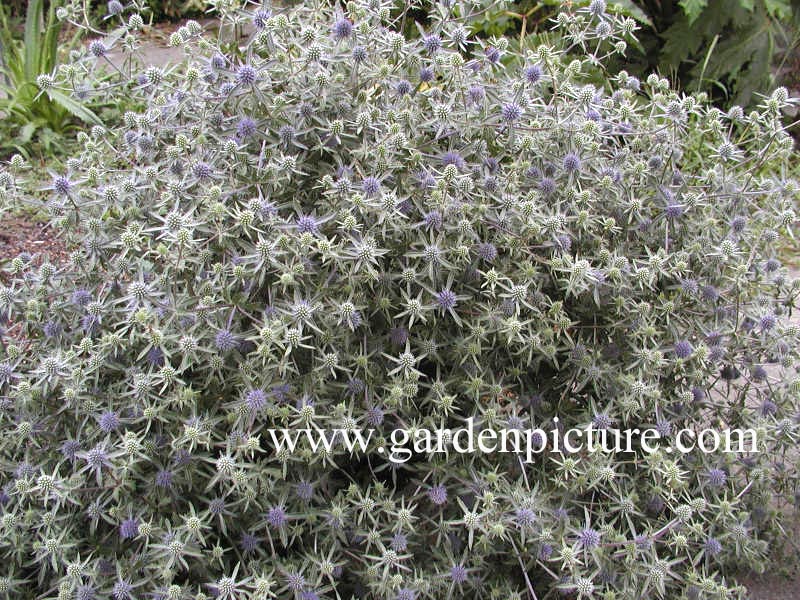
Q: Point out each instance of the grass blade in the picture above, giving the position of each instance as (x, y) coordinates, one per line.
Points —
(32, 39)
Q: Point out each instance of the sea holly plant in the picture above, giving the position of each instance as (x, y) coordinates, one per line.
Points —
(342, 228)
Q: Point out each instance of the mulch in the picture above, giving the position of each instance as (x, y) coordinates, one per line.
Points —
(21, 233)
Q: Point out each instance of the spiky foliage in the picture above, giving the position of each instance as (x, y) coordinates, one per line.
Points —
(344, 228)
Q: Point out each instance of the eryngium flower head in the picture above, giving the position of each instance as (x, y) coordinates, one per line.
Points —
(85, 592)
(374, 416)
(108, 421)
(589, 538)
(370, 186)
(487, 252)
(202, 171)
(674, 211)
(296, 582)
(81, 297)
(547, 185)
(432, 43)
(446, 299)
(307, 224)
(683, 349)
(525, 517)
(225, 340)
(276, 517)
(767, 322)
(97, 48)
(304, 491)
(164, 478)
(245, 128)
(572, 162)
(246, 75)
(597, 7)
(256, 400)
(359, 54)
(453, 158)
(438, 494)
(533, 74)
(602, 421)
(511, 112)
(6, 372)
(458, 574)
(342, 29)
(433, 219)
(717, 477)
(712, 546)
(129, 528)
(114, 7)
(493, 54)
(122, 590)
(249, 543)
(476, 93)
(62, 185)
(261, 17)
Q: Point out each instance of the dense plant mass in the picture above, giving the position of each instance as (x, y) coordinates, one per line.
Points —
(731, 49)
(699, 44)
(340, 227)
(26, 114)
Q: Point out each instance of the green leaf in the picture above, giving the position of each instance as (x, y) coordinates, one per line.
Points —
(689, 42)
(26, 133)
(748, 5)
(76, 109)
(778, 9)
(32, 39)
(629, 8)
(680, 42)
(693, 8)
(48, 57)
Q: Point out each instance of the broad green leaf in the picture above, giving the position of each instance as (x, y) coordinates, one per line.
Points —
(679, 44)
(75, 108)
(748, 5)
(26, 133)
(48, 57)
(693, 8)
(628, 7)
(32, 39)
(778, 9)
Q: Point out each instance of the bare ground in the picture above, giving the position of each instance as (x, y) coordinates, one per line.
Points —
(22, 233)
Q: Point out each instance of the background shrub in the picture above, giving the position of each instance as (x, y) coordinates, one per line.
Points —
(30, 116)
(159, 10)
(731, 49)
(345, 227)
